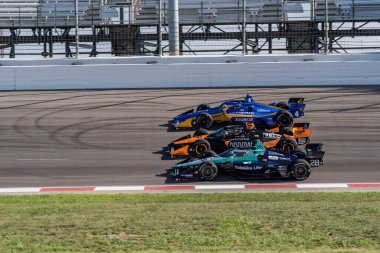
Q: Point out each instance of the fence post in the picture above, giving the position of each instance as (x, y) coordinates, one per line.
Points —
(159, 28)
(244, 39)
(326, 26)
(2, 49)
(76, 30)
(173, 28)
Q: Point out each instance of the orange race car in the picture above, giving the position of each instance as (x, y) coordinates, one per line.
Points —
(285, 139)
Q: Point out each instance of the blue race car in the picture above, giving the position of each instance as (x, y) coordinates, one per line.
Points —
(255, 162)
(241, 111)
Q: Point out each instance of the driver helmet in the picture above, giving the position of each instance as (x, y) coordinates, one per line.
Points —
(249, 125)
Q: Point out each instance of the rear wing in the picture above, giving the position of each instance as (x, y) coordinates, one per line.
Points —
(314, 154)
(296, 107)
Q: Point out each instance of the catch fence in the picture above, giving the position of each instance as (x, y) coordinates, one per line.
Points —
(69, 28)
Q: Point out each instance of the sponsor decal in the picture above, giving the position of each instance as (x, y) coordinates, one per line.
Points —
(272, 157)
(241, 144)
(263, 110)
(272, 136)
(243, 119)
(239, 167)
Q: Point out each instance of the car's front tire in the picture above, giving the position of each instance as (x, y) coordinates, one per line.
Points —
(203, 120)
(300, 170)
(208, 171)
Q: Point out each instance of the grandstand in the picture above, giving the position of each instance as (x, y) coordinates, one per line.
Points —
(35, 13)
(131, 27)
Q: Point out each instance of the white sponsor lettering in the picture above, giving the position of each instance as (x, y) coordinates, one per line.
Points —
(248, 167)
(241, 144)
(272, 136)
(271, 157)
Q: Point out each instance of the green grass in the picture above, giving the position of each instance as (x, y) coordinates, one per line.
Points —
(268, 222)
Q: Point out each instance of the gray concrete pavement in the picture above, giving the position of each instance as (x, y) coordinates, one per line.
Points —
(114, 137)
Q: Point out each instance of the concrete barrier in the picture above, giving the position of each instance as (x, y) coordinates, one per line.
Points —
(172, 72)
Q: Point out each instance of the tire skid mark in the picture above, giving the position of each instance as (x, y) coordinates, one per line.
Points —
(38, 120)
(68, 98)
(369, 106)
(18, 129)
(76, 138)
(54, 136)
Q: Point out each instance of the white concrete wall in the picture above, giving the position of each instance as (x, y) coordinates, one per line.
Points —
(212, 71)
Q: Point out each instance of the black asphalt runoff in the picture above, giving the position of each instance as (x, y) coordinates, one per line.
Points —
(115, 137)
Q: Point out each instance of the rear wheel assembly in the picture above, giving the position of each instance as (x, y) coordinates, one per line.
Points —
(300, 170)
(287, 145)
(284, 119)
(199, 147)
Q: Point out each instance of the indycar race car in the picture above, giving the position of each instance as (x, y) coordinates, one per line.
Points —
(238, 136)
(240, 111)
(255, 162)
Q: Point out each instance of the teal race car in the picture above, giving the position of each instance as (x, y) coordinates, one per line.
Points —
(254, 162)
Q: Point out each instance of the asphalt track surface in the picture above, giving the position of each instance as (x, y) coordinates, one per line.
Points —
(115, 137)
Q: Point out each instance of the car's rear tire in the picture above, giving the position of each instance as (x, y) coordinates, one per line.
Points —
(203, 120)
(283, 105)
(198, 147)
(284, 119)
(203, 107)
(300, 170)
(208, 171)
(207, 153)
(200, 132)
(287, 145)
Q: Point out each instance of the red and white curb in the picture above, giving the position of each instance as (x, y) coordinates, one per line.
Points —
(158, 188)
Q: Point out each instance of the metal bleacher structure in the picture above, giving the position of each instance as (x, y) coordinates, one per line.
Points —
(123, 24)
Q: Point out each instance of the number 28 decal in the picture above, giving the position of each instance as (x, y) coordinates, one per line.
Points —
(314, 162)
